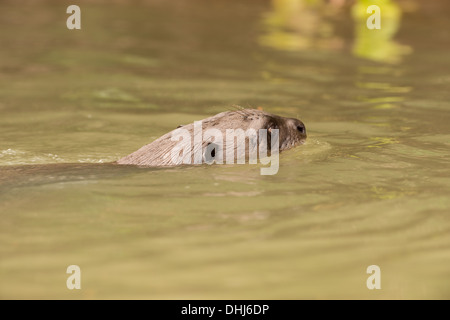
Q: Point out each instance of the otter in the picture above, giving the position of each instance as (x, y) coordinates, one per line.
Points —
(291, 133)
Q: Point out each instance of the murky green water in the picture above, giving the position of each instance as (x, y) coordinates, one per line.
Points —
(370, 186)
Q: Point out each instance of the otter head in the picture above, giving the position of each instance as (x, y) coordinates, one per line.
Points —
(292, 132)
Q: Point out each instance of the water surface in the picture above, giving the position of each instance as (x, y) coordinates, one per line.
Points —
(370, 186)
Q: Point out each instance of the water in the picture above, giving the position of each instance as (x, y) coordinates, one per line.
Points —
(370, 186)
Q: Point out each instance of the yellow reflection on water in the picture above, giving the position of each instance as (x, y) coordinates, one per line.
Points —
(378, 44)
(299, 24)
(296, 25)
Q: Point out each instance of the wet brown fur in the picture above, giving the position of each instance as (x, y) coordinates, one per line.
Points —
(158, 153)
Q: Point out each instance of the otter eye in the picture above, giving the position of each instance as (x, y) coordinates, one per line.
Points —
(210, 153)
(301, 129)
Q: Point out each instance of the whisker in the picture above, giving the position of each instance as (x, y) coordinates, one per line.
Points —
(238, 109)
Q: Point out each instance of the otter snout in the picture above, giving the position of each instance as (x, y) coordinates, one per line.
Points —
(299, 128)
